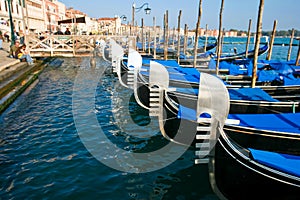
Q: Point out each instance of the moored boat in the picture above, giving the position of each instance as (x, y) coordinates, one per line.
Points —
(237, 172)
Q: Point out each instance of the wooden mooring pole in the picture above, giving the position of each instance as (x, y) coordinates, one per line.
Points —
(298, 56)
(143, 35)
(205, 43)
(272, 41)
(154, 43)
(166, 36)
(185, 38)
(257, 42)
(197, 33)
(219, 38)
(178, 37)
(248, 38)
(291, 45)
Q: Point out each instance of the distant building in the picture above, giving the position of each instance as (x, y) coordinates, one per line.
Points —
(51, 15)
(17, 14)
(61, 10)
(34, 15)
(107, 25)
(47, 15)
(77, 25)
(243, 35)
(231, 33)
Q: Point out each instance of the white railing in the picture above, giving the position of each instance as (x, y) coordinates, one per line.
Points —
(69, 45)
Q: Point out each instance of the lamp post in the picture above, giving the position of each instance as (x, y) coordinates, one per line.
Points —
(123, 17)
(138, 9)
(11, 23)
(49, 20)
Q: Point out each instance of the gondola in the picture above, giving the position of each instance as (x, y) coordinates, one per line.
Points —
(241, 157)
(276, 89)
(175, 102)
(269, 72)
(188, 60)
(184, 59)
(266, 131)
(231, 57)
(239, 172)
(242, 100)
(185, 82)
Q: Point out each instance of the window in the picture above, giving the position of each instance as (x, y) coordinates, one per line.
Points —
(6, 6)
(11, 6)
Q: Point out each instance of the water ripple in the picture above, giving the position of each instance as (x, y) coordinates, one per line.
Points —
(42, 157)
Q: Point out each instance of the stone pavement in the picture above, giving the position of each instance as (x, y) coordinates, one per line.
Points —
(5, 61)
(15, 77)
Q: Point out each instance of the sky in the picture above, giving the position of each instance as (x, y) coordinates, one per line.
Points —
(236, 13)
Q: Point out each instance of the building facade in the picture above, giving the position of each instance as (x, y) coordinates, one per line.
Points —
(16, 10)
(109, 25)
(34, 15)
(38, 16)
(51, 16)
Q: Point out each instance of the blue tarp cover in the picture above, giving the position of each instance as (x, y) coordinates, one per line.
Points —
(284, 122)
(176, 72)
(178, 77)
(251, 94)
(170, 63)
(277, 70)
(267, 75)
(290, 80)
(238, 67)
(282, 162)
(184, 78)
(254, 94)
(192, 91)
(186, 113)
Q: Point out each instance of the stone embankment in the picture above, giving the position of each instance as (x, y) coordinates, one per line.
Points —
(15, 76)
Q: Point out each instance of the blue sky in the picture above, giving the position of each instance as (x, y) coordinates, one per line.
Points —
(236, 13)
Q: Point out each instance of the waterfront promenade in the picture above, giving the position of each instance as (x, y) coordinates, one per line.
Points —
(15, 76)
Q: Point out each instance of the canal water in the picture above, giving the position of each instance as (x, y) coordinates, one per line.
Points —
(44, 155)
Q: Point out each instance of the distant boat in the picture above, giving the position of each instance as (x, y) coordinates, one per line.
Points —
(189, 59)
(263, 49)
(269, 72)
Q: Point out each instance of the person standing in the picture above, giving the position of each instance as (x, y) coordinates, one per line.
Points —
(15, 35)
(67, 32)
(58, 32)
(6, 35)
(26, 30)
(1, 40)
(22, 37)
